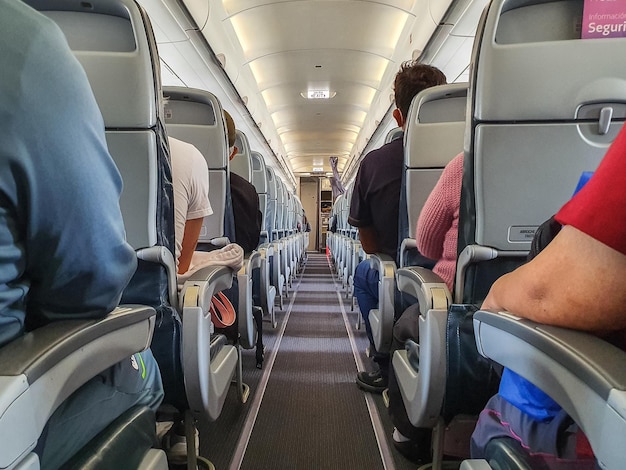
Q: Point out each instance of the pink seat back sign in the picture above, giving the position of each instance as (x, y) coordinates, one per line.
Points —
(604, 19)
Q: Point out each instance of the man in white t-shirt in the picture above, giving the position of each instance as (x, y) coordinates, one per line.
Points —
(190, 177)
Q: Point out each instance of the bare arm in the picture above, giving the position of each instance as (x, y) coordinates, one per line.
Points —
(369, 239)
(575, 282)
(190, 240)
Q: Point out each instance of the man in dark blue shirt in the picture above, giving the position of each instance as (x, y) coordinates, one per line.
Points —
(374, 207)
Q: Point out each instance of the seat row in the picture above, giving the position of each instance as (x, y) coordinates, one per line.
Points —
(526, 143)
(114, 42)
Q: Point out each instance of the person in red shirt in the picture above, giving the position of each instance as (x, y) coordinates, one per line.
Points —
(576, 282)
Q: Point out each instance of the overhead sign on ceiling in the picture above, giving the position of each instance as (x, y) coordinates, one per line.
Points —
(319, 94)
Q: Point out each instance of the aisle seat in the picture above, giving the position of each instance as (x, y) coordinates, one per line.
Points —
(551, 135)
(196, 116)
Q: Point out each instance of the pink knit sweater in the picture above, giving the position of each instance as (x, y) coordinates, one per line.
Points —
(438, 224)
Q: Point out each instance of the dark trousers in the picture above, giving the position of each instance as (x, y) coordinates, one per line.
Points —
(406, 327)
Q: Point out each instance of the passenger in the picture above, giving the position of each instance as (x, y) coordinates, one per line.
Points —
(63, 253)
(190, 178)
(245, 200)
(437, 237)
(374, 207)
(575, 282)
(438, 224)
(248, 218)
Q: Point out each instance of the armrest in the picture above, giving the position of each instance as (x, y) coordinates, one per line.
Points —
(423, 390)
(426, 286)
(246, 320)
(381, 319)
(204, 375)
(264, 236)
(406, 245)
(472, 254)
(254, 261)
(267, 291)
(584, 373)
(39, 370)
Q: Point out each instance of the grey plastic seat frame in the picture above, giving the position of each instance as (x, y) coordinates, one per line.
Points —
(196, 116)
(259, 180)
(574, 119)
(266, 251)
(584, 373)
(41, 369)
(571, 121)
(131, 115)
(241, 164)
(278, 279)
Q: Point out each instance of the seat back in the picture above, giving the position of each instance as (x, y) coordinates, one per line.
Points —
(434, 135)
(281, 197)
(196, 116)
(272, 206)
(261, 184)
(241, 164)
(288, 212)
(353, 231)
(393, 134)
(530, 142)
(115, 44)
(298, 211)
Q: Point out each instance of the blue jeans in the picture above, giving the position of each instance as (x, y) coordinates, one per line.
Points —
(366, 293)
(95, 405)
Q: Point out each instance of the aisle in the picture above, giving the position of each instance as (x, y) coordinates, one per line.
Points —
(305, 410)
(312, 415)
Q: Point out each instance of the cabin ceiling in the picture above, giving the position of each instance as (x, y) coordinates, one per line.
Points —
(275, 52)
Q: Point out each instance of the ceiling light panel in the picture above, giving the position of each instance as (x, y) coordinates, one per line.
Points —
(277, 50)
(265, 28)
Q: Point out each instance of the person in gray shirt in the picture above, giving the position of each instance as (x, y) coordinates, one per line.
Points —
(63, 252)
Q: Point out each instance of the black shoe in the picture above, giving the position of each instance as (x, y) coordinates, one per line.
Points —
(413, 451)
(372, 381)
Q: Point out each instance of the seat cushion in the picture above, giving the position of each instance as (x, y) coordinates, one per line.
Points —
(123, 444)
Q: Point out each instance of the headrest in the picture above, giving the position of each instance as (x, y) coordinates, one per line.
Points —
(259, 173)
(435, 126)
(196, 116)
(394, 134)
(527, 63)
(114, 42)
(271, 183)
(241, 164)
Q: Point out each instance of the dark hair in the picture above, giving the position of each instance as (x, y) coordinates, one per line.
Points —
(412, 78)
